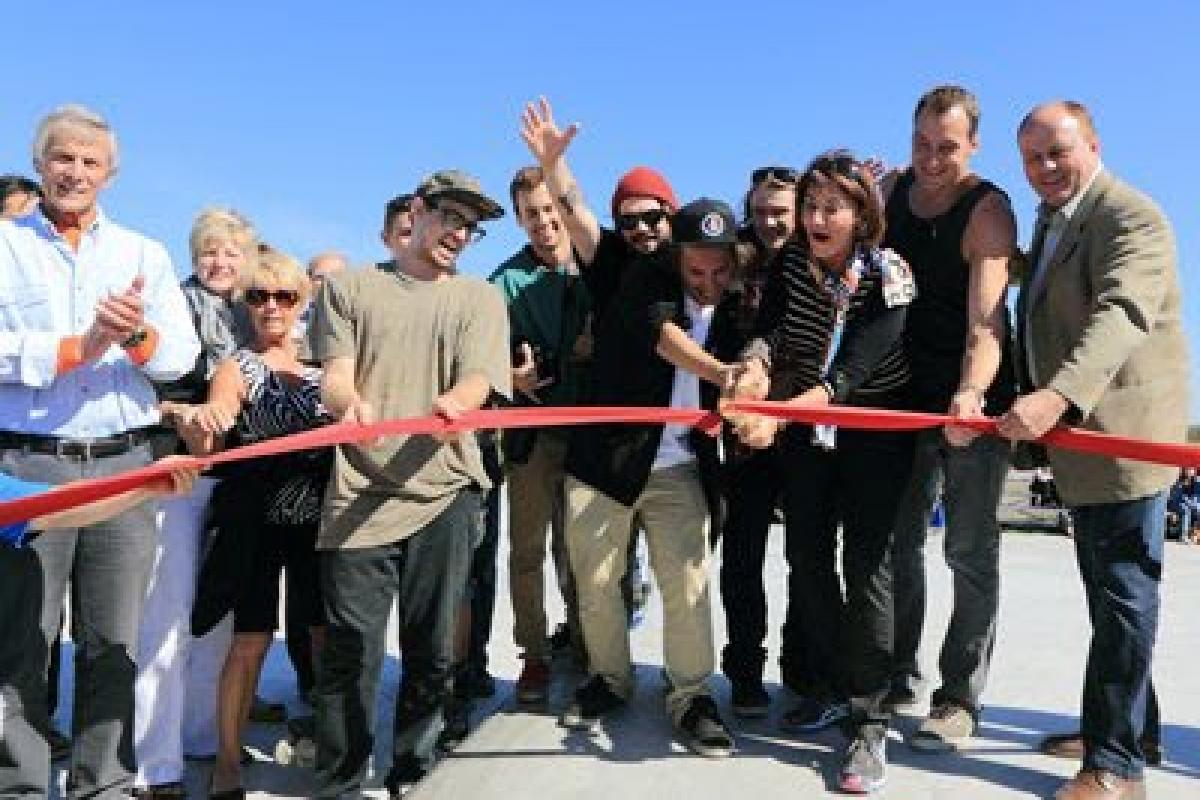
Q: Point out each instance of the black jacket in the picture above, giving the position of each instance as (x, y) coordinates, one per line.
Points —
(626, 371)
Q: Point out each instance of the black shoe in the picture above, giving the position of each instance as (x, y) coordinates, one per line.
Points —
(593, 701)
(812, 715)
(865, 769)
(704, 731)
(60, 745)
(405, 774)
(750, 699)
(458, 725)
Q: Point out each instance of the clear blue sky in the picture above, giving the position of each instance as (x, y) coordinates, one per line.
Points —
(309, 116)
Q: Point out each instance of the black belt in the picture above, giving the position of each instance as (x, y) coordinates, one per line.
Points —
(102, 447)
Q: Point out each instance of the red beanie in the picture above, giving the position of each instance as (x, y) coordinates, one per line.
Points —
(643, 182)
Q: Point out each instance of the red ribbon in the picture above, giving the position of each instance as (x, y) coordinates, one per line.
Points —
(80, 492)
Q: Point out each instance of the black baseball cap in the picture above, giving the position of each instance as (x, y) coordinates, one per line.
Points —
(706, 222)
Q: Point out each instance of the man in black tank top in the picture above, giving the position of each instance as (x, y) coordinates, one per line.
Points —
(957, 232)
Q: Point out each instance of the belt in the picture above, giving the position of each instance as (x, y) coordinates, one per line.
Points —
(85, 449)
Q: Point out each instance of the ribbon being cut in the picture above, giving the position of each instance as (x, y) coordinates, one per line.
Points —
(80, 492)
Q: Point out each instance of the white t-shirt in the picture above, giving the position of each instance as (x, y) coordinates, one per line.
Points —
(685, 393)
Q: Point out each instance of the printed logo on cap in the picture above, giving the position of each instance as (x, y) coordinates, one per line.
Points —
(712, 224)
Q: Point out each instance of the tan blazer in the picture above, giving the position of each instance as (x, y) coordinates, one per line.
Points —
(1108, 335)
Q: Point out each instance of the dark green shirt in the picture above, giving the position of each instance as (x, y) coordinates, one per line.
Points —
(548, 308)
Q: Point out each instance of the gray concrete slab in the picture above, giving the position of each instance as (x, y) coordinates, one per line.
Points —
(1034, 690)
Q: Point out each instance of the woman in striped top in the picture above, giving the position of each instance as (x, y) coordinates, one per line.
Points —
(830, 332)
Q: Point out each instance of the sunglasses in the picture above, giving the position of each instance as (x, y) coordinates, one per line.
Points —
(455, 220)
(284, 298)
(779, 174)
(651, 218)
(841, 163)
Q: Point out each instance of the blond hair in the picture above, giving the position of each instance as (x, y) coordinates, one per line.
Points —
(222, 225)
(275, 268)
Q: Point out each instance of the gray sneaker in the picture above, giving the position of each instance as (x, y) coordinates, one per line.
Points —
(948, 727)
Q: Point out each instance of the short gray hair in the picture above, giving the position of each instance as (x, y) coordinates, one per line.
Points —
(75, 117)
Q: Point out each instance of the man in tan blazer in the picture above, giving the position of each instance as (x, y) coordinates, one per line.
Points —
(1101, 346)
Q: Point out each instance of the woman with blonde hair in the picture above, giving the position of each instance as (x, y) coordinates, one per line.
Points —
(175, 689)
(267, 509)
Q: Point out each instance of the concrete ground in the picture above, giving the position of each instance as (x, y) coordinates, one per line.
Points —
(1034, 689)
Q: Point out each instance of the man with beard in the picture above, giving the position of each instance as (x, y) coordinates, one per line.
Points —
(401, 515)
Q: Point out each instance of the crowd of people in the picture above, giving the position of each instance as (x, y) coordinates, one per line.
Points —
(844, 284)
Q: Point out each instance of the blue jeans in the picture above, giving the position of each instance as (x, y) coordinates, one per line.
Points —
(1119, 547)
(971, 479)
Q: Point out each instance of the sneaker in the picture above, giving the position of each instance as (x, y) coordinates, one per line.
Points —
(811, 715)
(947, 727)
(458, 725)
(60, 745)
(533, 685)
(704, 731)
(865, 769)
(404, 776)
(593, 701)
(750, 699)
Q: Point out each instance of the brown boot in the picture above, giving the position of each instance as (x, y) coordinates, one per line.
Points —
(1070, 745)
(1097, 784)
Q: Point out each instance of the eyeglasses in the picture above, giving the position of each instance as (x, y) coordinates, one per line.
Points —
(780, 174)
(284, 298)
(651, 218)
(455, 220)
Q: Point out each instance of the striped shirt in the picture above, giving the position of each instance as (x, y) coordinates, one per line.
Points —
(797, 321)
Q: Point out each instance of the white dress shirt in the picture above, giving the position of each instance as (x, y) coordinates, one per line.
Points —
(48, 292)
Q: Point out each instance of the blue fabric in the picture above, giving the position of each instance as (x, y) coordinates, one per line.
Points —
(1119, 547)
(17, 533)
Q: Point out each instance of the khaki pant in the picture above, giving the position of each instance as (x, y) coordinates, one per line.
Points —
(535, 503)
(673, 513)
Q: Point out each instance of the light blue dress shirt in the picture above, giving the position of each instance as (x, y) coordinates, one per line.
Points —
(49, 291)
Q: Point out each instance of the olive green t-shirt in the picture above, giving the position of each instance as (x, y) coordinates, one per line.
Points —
(411, 340)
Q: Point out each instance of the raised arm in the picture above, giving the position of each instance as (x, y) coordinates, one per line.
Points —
(548, 145)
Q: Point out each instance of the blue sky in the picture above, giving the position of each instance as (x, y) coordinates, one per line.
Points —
(309, 116)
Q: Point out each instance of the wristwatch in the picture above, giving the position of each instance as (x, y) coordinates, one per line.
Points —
(136, 338)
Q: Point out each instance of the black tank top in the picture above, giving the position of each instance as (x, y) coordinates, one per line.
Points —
(936, 329)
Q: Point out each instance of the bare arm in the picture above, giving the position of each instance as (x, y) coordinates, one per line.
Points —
(675, 346)
(548, 144)
(179, 482)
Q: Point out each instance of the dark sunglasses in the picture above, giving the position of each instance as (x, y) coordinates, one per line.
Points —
(629, 222)
(840, 163)
(780, 174)
(284, 298)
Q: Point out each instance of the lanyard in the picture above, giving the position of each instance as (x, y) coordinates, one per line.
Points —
(841, 288)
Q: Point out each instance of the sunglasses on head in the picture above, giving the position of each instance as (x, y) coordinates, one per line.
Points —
(651, 218)
(780, 174)
(840, 163)
(284, 298)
